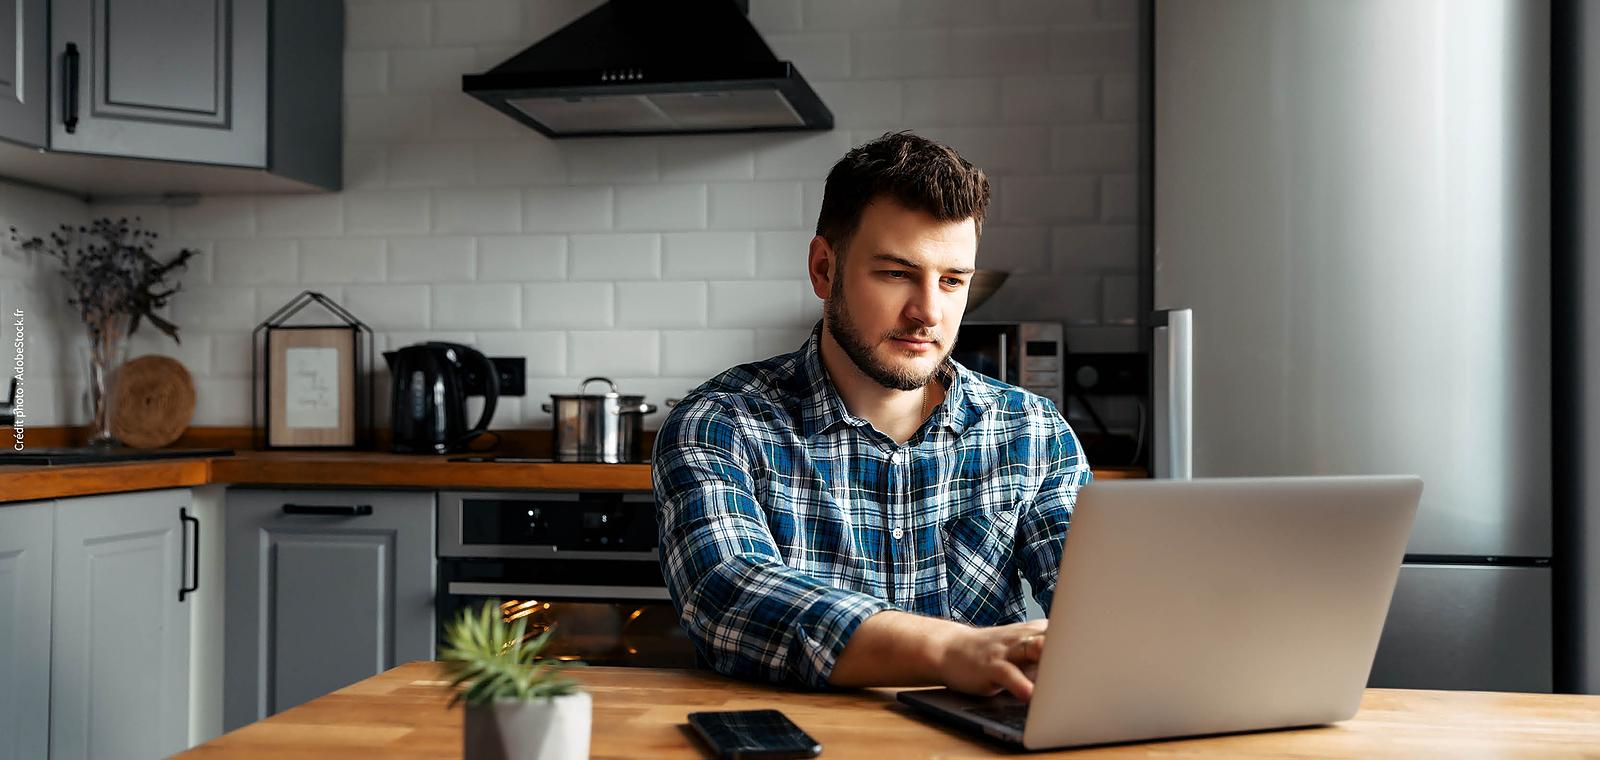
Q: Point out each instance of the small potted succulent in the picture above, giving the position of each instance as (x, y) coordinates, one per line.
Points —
(518, 706)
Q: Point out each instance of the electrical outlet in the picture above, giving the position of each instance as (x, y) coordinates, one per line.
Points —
(1108, 374)
(512, 372)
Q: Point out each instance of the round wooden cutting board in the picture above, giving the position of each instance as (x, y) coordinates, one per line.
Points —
(152, 401)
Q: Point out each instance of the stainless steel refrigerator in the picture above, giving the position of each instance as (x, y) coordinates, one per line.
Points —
(1351, 199)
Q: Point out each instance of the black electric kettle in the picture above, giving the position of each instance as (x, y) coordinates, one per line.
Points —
(429, 403)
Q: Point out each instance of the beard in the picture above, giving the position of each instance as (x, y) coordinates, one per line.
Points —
(855, 345)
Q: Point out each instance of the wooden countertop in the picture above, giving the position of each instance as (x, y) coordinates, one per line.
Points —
(640, 713)
(306, 468)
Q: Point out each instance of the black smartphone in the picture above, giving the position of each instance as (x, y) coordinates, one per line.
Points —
(744, 734)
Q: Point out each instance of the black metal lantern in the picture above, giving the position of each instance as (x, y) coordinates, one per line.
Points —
(311, 384)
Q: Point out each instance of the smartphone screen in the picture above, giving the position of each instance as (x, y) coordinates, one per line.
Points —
(766, 734)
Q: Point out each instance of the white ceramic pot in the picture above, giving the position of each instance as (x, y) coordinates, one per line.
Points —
(536, 729)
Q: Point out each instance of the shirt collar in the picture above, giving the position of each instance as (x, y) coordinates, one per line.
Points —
(821, 409)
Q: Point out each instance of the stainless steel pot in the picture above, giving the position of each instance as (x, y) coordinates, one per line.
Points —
(604, 427)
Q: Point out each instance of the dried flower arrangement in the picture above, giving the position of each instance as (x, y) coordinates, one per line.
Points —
(115, 284)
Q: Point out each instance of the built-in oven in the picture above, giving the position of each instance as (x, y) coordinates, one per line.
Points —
(584, 564)
(1025, 354)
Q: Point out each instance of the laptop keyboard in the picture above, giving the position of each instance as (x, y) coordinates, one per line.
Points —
(1014, 716)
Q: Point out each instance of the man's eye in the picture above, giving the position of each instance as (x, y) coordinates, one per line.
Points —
(895, 273)
(954, 282)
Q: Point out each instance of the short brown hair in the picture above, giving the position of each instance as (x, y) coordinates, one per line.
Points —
(913, 171)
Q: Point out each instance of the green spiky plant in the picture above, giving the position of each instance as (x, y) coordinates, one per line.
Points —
(496, 660)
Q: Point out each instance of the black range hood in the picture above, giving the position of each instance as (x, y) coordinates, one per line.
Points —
(652, 67)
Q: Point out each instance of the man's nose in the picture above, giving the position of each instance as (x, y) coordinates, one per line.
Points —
(924, 304)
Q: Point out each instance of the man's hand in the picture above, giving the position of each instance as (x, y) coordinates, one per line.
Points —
(985, 661)
(894, 648)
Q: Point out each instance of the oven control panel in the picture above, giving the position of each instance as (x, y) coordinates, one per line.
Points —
(547, 523)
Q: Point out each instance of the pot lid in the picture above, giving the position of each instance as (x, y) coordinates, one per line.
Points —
(583, 391)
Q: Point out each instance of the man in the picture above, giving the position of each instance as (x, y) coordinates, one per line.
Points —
(859, 512)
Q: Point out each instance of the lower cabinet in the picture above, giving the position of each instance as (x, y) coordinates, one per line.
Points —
(26, 544)
(119, 634)
(324, 588)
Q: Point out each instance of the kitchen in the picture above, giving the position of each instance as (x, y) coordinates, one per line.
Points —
(652, 261)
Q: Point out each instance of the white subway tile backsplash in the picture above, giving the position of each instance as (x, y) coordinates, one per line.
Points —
(386, 212)
(614, 353)
(566, 209)
(1095, 148)
(707, 255)
(430, 164)
(366, 72)
(758, 303)
(519, 258)
(387, 118)
(621, 256)
(817, 56)
(222, 401)
(387, 25)
(755, 205)
(430, 70)
(661, 207)
(704, 353)
(1099, 50)
(477, 21)
(852, 15)
(475, 210)
(1082, 248)
(707, 157)
(621, 159)
(343, 260)
(432, 259)
(532, 160)
(299, 215)
(863, 103)
(999, 51)
(251, 262)
(1119, 198)
(458, 223)
(783, 255)
(661, 304)
(922, 53)
(216, 217)
(1031, 200)
(557, 305)
(970, 100)
(481, 306)
(1049, 99)
(387, 308)
(545, 351)
(800, 155)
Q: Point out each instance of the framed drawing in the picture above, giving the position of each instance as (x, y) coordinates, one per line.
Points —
(310, 391)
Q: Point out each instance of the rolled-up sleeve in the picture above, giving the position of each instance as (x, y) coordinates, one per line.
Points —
(1042, 531)
(747, 612)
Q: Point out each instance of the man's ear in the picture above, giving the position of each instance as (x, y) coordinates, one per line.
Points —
(821, 265)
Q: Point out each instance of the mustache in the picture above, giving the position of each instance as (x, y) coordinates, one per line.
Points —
(930, 337)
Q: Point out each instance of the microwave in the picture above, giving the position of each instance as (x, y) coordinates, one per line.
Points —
(1025, 354)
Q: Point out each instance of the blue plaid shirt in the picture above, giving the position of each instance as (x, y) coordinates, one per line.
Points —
(786, 521)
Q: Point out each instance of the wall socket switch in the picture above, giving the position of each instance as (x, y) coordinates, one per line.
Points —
(512, 372)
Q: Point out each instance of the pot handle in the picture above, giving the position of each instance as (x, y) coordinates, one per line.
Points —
(640, 409)
(546, 407)
(672, 402)
(584, 389)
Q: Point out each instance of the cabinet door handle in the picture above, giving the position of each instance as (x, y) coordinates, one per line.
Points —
(69, 93)
(329, 510)
(190, 566)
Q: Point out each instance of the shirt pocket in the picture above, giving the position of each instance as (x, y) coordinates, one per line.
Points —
(979, 562)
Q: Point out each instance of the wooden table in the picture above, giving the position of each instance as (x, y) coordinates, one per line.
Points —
(639, 713)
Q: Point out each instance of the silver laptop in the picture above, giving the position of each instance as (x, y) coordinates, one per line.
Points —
(1193, 607)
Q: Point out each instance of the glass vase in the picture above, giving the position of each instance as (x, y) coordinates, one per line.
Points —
(108, 347)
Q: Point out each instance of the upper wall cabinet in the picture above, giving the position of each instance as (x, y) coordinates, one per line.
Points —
(23, 86)
(230, 95)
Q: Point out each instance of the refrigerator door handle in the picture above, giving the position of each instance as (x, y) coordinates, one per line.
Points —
(1173, 375)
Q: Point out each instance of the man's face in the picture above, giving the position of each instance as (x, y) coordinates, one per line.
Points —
(896, 303)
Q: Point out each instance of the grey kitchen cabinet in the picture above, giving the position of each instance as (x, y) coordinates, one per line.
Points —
(240, 95)
(24, 78)
(119, 654)
(26, 536)
(324, 588)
